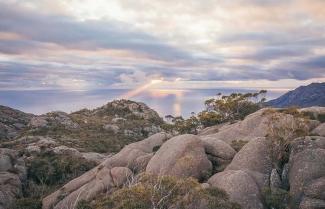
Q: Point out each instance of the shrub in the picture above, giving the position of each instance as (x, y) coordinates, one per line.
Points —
(209, 118)
(27, 203)
(51, 169)
(275, 198)
(163, 192)
(84, 205)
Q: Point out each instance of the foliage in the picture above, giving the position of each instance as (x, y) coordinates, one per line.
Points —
(217, 110)
(162, 192)
(51, 169)
(209, 118)
(275, 198)
(27, 203)
(282, 129)
(315, 116)
(233, 107)
(181, 125)
(84, 205)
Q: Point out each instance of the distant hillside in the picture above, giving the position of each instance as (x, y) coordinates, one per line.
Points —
(303, 96)
(104, 129)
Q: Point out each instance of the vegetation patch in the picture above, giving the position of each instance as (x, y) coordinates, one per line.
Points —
(275, 198)
(163, 192)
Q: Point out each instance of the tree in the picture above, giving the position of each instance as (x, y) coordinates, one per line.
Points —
(231, 107)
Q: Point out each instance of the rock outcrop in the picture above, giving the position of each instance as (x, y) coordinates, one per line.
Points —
(258, 124)
(53, 119)
(12, 175)
(319, 130)
(12, 122)
(307, 172)
(219, 152)
(182, 156)
(110, 174)
(247, 174)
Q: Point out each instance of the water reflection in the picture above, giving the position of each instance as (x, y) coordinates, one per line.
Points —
(174, 102)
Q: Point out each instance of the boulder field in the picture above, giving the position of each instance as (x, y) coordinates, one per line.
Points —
(269, 149)
(12, 174)
(211, 159)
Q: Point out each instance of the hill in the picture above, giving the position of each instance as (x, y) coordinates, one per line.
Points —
(303, 96)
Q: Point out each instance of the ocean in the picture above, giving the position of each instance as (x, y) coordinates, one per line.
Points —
(174, 102)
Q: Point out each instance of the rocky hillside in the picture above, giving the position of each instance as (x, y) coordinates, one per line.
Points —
(43, 152)
(259, 163)
(303, 96)
(12, 122)
(105, 129)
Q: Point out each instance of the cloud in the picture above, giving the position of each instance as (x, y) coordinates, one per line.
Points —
(85, 35)
(123, 43)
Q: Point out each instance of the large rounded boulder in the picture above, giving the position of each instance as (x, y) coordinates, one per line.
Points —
(240, 186)
(307, 172)
(319, 130)
(182, 156)
(247, 174)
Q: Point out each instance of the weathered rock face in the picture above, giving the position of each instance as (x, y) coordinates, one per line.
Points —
(53, 119)
(132, 155)
(257, 125)
(319, 130)
(97, 181)
(211, 130)
(219, 152)
(182, 156)
(12, 122)
(12, 173)
(254, 156)
(137, 108)
(307, 172)
(240, 186)
(110, 174)
(247, 174)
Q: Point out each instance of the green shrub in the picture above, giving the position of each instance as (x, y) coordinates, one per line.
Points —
(51, 169)
(209, 118)
(27, 203)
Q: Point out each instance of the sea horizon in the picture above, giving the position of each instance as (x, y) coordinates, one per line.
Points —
(176, 102)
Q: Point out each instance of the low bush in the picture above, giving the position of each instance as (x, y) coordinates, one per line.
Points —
(163, 192)
(27, 203)
(51, 169)
(275, 198)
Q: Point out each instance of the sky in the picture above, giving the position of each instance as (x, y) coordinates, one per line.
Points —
(165, 44)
